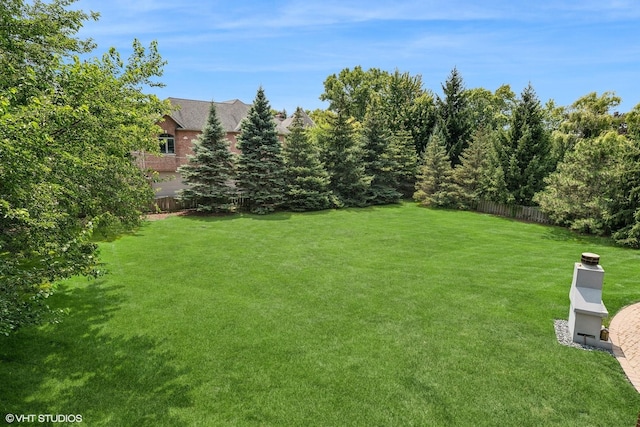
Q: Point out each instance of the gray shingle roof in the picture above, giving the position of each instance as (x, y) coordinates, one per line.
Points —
(306, 120)
(192, 115)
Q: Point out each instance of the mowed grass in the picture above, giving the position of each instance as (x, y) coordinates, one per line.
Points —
(382, 316)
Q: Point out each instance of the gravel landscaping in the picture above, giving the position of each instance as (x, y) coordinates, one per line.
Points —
(564, 337)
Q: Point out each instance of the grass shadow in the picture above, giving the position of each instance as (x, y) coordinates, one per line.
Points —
(274, 216)
(281, 215)
(562, 234)
(75, 367)
(219, 217)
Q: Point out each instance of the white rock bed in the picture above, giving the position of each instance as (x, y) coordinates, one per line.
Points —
(564, 337)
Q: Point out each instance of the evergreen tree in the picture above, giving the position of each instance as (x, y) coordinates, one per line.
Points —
(422, 120)
(379, 161)
(406, 160)
(455, 118)
(470, 175)
(580, 192)
(595, 188)
(523, 151)
(211, 170)
(307, 182)
(435, 185)
(342, 155)
(260, 164)
(626, 206)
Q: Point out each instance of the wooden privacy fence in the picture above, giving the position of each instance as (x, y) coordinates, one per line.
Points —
(170, 204)
(524, 213)
(173, 204)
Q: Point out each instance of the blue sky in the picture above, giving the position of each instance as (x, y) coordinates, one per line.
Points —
(225, 50)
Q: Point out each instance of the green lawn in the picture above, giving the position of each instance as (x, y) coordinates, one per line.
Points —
(384, 316)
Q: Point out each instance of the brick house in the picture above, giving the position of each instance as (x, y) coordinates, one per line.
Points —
(184, 125)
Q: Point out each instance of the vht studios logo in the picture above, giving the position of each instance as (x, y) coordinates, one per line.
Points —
(43, 418)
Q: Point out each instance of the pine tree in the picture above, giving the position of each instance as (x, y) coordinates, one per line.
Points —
(343, 158)
(626, 207)
(454, 116)
(470, 176)
(211, 170)
(379, 161)
(523, 151)
(579, 194)
(307, 182)
(405, 157)
(435, 185)
(260, 164)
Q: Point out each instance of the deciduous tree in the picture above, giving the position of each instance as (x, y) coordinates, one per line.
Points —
(588, 117)
(350, 91)
(68, 128)
(490, 110)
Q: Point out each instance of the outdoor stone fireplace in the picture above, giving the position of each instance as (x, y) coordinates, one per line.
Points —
(587, 309)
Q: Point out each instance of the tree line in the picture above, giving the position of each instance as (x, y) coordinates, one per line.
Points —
(316, 168)
(384, 138)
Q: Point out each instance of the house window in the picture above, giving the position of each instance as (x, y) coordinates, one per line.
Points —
(167, 144)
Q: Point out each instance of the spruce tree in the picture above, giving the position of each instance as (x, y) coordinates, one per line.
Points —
(306, 180)
(406, 159)
(523, 150)
(379, 161)
(260, 164)
(211, 170)
(455, 116)
(343, 158)
(435, 185)
(471, 175)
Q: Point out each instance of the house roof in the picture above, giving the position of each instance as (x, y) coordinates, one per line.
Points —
(190, 114)
(306, 120)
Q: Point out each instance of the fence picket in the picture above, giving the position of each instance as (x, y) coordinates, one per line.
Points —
(525, 213)
(173, 204)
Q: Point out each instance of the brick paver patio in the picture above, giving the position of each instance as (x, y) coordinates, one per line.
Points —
(624, 332)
